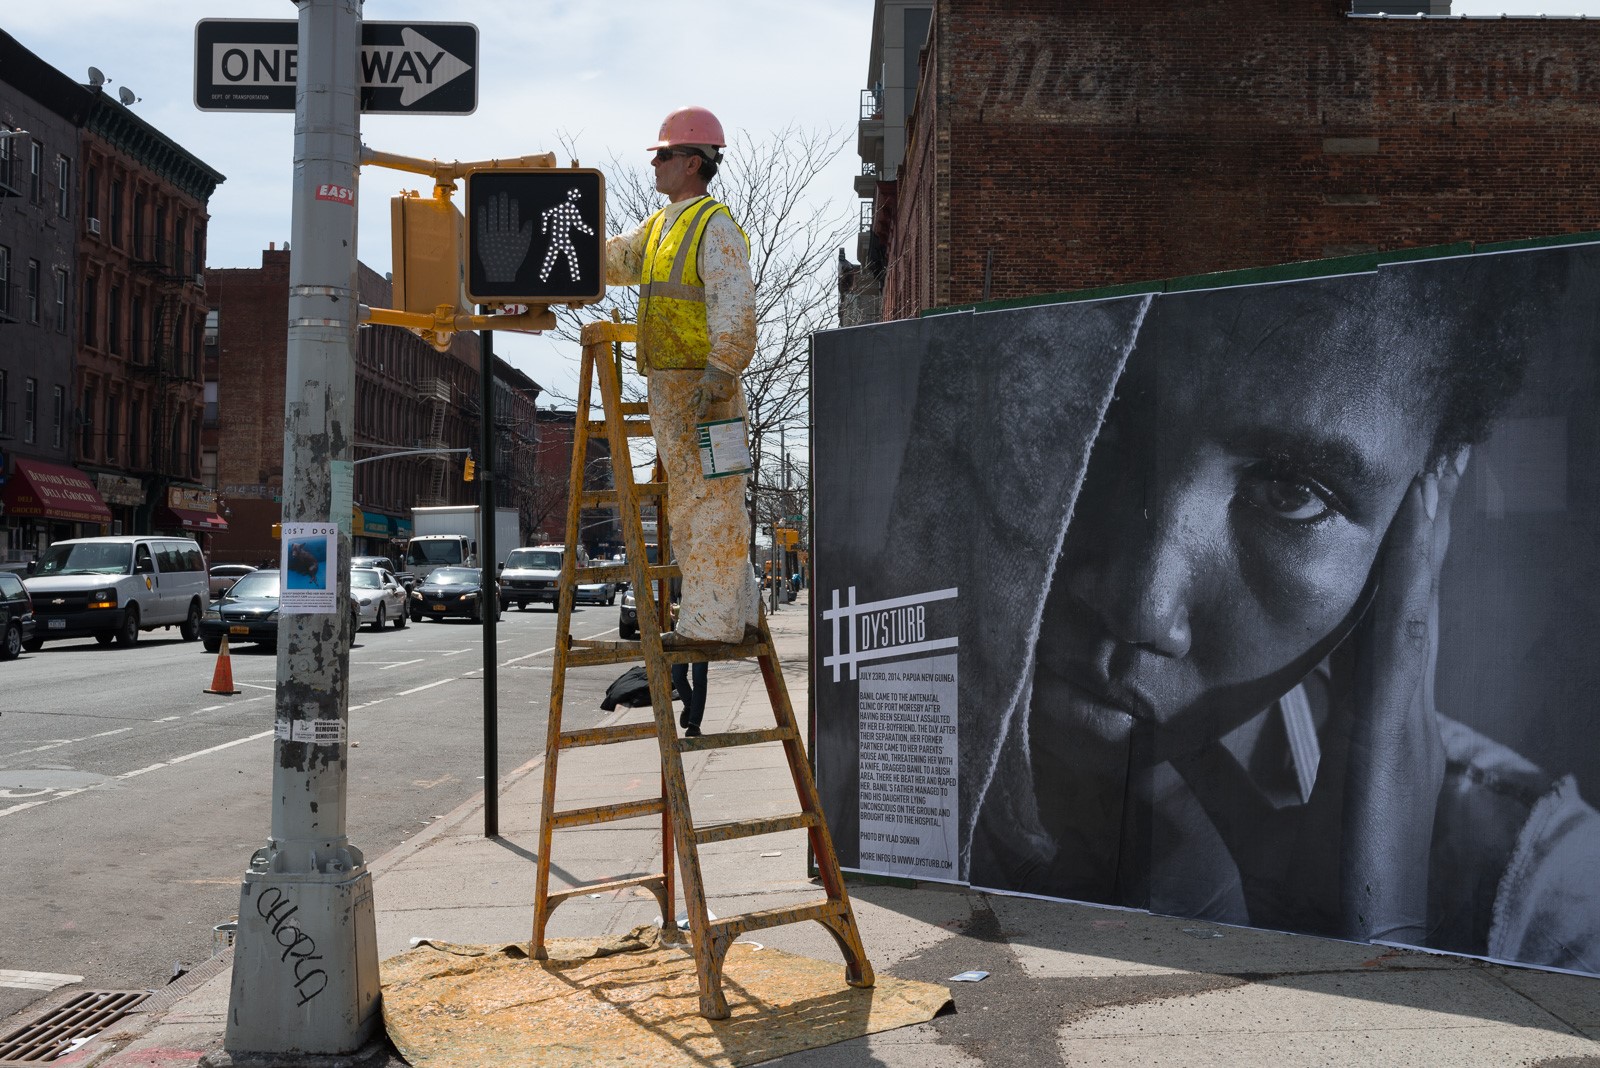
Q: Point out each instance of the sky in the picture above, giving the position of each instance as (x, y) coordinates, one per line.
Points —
(601, 75)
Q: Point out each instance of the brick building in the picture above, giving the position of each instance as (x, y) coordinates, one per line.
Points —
(408, 396)
(142, 310)
(41, 110)
(102, 238)
(1034, 147)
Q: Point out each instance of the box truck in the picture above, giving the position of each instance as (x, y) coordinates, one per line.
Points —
(450, 535)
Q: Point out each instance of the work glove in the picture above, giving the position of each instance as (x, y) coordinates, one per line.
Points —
(715, 387)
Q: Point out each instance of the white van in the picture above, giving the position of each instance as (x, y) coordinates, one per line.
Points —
(532, 575)
(112, 588)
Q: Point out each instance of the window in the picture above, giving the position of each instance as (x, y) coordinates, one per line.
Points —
(30, 411)
(194, 446)
(133, 434)
(114, 321)
(61, 300)
(86, 417)
(63, 187)
(136, 331)
(211, 403)
(58, 409)
(36, 173)
(5, 403)
(91, 193)
(116, 213)
(113, 403)
(33, 291)
(7, 155)
(91, 337)
(5, 279)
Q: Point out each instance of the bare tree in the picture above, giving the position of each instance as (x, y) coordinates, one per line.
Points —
(769, 185)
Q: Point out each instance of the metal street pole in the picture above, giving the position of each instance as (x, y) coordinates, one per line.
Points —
(305, 970)
(489, 601)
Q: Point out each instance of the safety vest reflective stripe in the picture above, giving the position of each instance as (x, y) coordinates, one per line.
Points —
(673, 291)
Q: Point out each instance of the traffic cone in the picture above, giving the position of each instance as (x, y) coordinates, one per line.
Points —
(222, 677)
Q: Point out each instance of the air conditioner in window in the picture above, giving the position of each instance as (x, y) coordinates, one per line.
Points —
(94, 226)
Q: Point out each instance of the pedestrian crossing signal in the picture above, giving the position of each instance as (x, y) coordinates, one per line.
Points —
(535, 235)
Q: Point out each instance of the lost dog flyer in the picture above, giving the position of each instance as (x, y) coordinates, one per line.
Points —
(306, 578)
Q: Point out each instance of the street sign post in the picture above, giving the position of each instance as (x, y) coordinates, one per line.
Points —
(406, 68)
(536, 236)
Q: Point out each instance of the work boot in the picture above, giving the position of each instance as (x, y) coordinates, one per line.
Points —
(691, 731)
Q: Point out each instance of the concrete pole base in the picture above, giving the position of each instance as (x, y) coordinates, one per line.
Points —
(305, 966)
(375, 1053)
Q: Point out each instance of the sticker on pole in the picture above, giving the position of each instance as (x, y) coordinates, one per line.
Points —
(310, 731)
(723, 450)
(310, 552)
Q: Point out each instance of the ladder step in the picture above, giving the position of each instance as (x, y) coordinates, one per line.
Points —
(634, 408)
(601, 573)
(755, 921)
(627, 732)
(606, 887)
(633, 428)
(596, 498)
(626, 810)
(732, 738)
(726, 832)
(607, 653)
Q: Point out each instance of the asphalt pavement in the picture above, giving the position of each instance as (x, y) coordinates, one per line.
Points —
(1066, 984)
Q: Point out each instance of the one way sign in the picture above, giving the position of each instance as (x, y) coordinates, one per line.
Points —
(410, 68)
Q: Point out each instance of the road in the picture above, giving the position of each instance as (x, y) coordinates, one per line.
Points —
(130, 800)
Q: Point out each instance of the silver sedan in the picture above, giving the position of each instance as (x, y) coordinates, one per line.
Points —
(380, 595)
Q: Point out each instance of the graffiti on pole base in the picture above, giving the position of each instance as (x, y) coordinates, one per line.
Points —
(277, 907)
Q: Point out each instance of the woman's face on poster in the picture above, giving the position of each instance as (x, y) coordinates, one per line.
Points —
(1235, 502)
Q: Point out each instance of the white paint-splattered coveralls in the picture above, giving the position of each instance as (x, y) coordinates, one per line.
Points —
(709, 524)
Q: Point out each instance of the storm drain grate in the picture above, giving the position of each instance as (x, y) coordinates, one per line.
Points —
(62, 1030)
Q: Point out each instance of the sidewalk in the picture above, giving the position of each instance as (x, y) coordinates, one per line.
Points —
(1068, 984)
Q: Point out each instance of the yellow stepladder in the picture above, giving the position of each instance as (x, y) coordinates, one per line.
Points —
(710, 939)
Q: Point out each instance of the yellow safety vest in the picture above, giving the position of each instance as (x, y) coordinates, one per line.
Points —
(672, 295)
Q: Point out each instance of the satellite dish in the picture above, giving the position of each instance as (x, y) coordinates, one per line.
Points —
(126, 96)
(97, 77)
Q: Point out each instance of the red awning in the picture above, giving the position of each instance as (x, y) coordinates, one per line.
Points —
(189, 519)
(53, 491)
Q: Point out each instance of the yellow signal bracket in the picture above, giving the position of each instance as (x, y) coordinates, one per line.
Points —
(446, 174)
(447, 321)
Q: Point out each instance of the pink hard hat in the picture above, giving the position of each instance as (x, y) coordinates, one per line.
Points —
(689, 126)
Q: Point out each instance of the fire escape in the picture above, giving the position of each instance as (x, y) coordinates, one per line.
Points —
(435, 393)
(164, 367)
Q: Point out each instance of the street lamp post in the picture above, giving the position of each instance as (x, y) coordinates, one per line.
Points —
(305, 969)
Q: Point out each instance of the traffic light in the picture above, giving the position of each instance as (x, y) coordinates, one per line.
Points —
(469, 470)
(425, 240)
(535, 236)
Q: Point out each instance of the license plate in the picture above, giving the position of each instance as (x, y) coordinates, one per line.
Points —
(56, 624)
(438, 608)
(236, 629)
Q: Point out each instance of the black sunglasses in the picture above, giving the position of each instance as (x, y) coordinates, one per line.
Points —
(664, 154)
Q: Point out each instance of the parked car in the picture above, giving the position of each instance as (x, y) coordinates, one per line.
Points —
(532, 574)
(380, 596)
(114, 587)
(248, 612)
(221, 576)
(16, 616)
(454, 591)
(405, 578)
(628, 617)
(602, 593)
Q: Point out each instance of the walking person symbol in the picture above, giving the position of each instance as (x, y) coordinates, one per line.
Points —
(559, 222)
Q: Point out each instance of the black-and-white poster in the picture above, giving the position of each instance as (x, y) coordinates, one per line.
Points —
(1270, 605)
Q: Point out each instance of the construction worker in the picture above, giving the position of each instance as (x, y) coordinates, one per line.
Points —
(697, 332)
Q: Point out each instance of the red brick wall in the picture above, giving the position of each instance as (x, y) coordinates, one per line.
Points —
(1102, 142)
